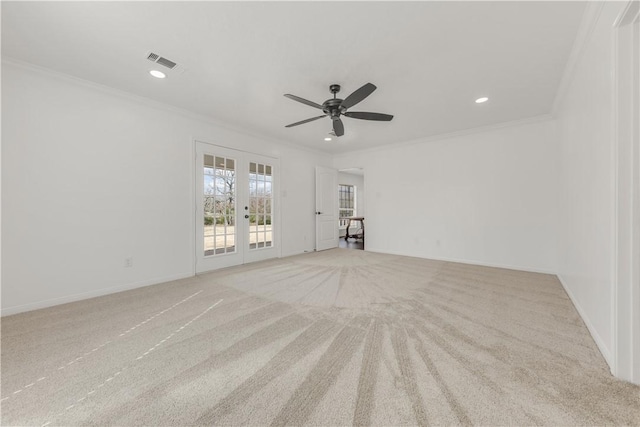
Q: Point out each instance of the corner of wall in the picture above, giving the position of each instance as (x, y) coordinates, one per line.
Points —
(606, 353)
(588, 24)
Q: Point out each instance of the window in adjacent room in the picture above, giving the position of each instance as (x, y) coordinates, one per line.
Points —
(347, 202)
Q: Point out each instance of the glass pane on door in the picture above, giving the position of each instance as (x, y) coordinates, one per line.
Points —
(260, 202)
(219, 199)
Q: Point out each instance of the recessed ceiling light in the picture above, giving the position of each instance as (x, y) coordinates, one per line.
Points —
(157, 74)
(481, 100)
(327, 139)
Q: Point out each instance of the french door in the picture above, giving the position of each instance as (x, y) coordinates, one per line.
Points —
(236, 212)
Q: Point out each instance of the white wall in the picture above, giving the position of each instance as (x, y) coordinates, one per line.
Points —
(585, 118)
(486, 197)
(91, 176)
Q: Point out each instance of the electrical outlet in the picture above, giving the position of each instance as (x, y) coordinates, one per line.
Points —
(128, 262)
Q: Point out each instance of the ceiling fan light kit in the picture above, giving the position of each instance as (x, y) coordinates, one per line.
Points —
(336, 107)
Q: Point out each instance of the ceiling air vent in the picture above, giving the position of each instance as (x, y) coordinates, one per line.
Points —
(154, 57)
(164, 61)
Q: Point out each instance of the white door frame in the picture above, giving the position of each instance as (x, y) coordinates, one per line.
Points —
(626, 271)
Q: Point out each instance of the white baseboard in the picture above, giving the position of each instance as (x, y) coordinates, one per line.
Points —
(606, 353)
(298, 252)
(91, 294)
(468, 261)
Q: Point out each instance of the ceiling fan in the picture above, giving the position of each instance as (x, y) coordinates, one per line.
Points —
(336, 107)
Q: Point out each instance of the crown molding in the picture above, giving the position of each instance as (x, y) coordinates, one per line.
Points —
(629, 14)
(585, 31)
(9, 61)
(252, 133)
(444, 136)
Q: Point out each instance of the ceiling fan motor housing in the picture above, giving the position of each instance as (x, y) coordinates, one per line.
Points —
(331, 107)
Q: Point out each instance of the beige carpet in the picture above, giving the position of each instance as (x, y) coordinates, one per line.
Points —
(338, 337)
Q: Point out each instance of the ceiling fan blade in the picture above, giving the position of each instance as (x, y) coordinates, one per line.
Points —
(304, 101)
(304, 121)
(368, 116)
(338, 127)
(358, 95)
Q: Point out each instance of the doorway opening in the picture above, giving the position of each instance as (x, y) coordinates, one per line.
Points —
(351, 218)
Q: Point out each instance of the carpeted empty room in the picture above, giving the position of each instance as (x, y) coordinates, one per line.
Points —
(338, 337)
(320, 213)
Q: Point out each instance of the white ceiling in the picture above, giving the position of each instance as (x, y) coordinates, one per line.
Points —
(430, 60)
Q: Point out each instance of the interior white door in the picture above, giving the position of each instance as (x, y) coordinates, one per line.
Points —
(326, 208)
(236, 211)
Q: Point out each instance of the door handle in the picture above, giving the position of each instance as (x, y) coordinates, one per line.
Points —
(246, 216)
(318, 213)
